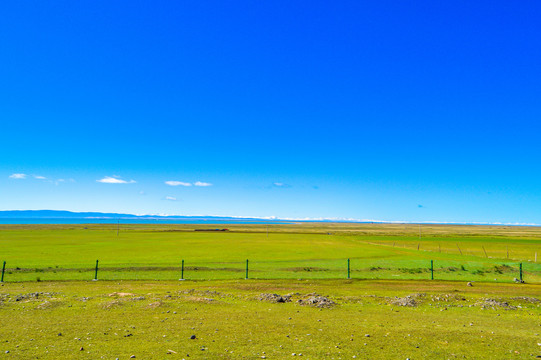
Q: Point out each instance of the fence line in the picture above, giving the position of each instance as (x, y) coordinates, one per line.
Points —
(346, 270)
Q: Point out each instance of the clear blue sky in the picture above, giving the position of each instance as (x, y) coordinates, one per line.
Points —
(387, 110)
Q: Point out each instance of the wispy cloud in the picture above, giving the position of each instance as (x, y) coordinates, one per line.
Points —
(177, 183)
(39, 177)
(200, 183)
(17, 176)
(280, 185)
(60, 181)
(171, 198)
(115, 180)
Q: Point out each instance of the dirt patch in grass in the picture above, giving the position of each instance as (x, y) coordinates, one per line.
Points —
(120, 294)
(412, 300)
(200, 299)
(49, 304)
(112, 304)
(155, 304)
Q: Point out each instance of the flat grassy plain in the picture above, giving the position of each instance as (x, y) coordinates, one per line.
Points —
(290, 251)
(388, 310)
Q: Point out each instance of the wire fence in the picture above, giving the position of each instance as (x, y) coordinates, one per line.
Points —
(450, 270)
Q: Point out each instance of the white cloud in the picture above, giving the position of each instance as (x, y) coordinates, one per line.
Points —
(171, 198)
(200, 183)
(114, 180)
(282, 185)
(177, 183)
(39, 177)
(17, 176)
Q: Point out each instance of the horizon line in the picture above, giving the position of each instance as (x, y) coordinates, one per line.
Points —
(306, 219)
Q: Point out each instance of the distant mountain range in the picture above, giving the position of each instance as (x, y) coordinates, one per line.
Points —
(61, 214)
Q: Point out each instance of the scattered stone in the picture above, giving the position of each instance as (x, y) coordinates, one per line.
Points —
(367, 335)
(527, 299)
(317, 301)
(7, 351)
(469, 284)
(275, 298)
(192, 337)
(59, 334)
(410, 300)
(493, 303)
(132, 357)
(82, 349)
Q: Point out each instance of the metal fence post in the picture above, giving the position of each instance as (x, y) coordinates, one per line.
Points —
(246, 269)
(96, 272)
(3, 271)
(520, 272)
(182, 271)
(348, 270)
(431, 269)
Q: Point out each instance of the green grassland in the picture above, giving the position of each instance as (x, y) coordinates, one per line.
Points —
(156, 319)
(290, 251)
(389, 309)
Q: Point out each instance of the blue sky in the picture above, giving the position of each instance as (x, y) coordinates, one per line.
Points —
(386, 110)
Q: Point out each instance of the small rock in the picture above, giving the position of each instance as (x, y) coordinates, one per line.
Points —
(192, 337)
(81, 349)
(7, 351)
(132, 357)
(367, 335)
(59, 334)
(469, 284)
(293, 354)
